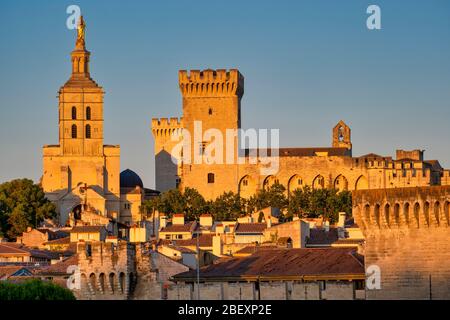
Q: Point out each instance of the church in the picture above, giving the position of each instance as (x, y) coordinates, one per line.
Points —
(81, 175)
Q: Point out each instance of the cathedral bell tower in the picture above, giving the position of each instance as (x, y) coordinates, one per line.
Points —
(81, 105)
(80, 170)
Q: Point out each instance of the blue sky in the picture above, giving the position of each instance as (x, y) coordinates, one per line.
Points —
(307, 64)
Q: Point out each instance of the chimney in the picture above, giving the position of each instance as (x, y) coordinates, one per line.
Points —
(206, 220)
(341, 221)
(178, 219)
(29, 229)
(326, 225)
(162, 222)
(217, 246)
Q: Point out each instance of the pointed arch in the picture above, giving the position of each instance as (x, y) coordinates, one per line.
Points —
(406, 213)
(247, 187)
(367, 214)
(376, 214)
(437, 213)
(269, 181)
(361, 183)
(295, 182)
(387, 214)
(88, 131)
(88, 113)
(397, 214)
(74, 113)
(318, 182)
(426, 213)
(341, 183)
(417, 214)
(74, 131)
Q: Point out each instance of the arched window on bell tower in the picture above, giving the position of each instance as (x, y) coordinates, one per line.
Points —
(74, 131)
(74, 113)
(88, 131)
(88, 113)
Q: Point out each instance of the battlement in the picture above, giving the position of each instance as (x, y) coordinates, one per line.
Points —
(412, 207)
(167, 123)
(216, 83)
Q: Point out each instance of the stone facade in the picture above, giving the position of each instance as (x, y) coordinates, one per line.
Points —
(108, 270)
(120, 271)
(274, 290)
(213, 97)
(407, 237)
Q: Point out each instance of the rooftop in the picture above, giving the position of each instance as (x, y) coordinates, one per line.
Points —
(250, 228)
(301, 264)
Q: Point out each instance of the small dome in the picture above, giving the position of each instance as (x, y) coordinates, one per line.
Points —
(129, 179)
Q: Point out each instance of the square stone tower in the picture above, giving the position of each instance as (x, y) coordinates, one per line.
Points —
(211, 103)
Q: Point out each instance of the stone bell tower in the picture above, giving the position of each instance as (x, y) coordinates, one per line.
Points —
(80, 170)
(342, 136)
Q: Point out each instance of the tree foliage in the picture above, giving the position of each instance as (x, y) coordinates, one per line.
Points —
(306, 202)
(22, 204)
(34, 290)
(313, 203)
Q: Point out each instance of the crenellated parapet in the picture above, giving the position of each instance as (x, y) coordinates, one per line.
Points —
(445, 178)
(419, 207)
(211, 83)
(166, 127)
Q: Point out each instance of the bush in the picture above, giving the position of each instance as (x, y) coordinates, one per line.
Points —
(34, 290)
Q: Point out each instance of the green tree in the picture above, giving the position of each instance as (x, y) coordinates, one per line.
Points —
(228, 206)
(22, 204)
(274, 196)
(34, 290)
(195, 204)
(313, 203)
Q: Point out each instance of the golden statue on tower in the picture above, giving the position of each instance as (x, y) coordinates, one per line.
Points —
(81, 31)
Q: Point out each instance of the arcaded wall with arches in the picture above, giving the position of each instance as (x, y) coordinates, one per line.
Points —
(108, 270)
(407, 232)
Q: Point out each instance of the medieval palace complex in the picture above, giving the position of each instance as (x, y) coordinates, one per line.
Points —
(213, 98)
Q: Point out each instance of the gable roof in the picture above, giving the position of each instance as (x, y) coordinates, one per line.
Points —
(86, 229)
(14, 271)
(178, 227)
(309, 264)
(250, 228)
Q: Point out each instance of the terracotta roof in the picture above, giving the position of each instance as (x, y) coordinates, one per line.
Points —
(250, 228)
(178, 215)
(304, 152)
(254, 248)
(181, 249)
(319, 236)
(59, 241)
(205, 240)
(178, 227)
(59, 268)
(323, 263)
(206, 215)
(15, 249)
(9, 271)
(86, 229)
